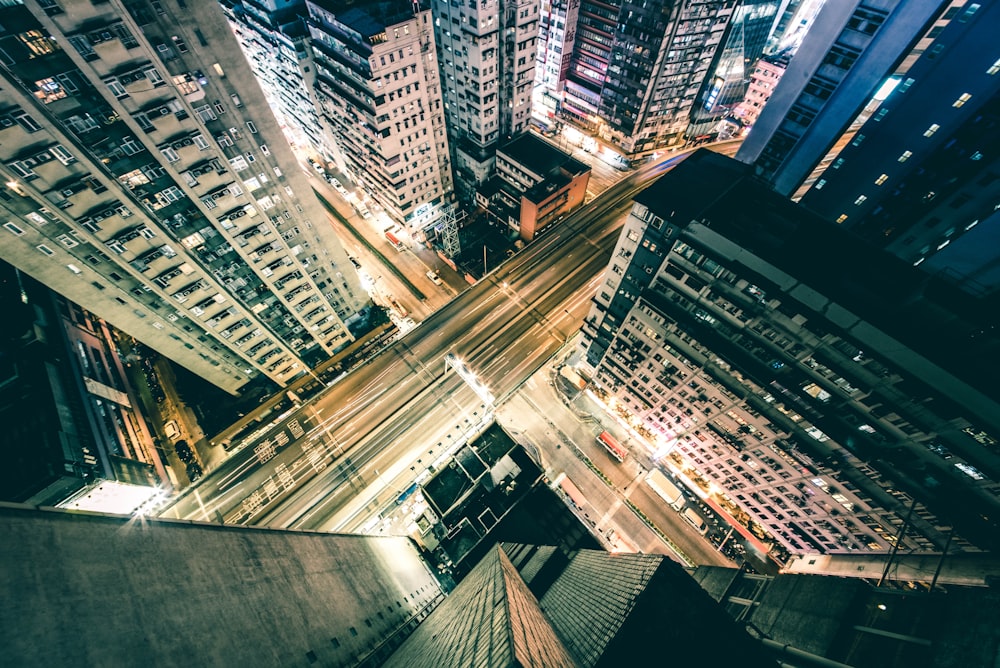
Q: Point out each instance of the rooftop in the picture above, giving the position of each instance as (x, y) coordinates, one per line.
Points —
(540, 156)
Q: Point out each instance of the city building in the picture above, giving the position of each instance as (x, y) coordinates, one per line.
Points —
(849, 53)
(102, 590)
(275, 43)
(147, 180)
(814, 620)
(378, 88)
(487, 53)
(73, 425)
(766, 75)
(556, 36)
(920, 174)
(828, 405)
(636, 70)
(536, 185)
(527, 605)
(726, 85)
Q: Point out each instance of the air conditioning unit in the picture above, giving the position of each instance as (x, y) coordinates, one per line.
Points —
(68, 192)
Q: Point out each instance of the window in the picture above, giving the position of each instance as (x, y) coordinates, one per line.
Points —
(881, 179)
(962, 99)
(49, 90)
(251, 127)
(200, 142)
(929, 132)
(38, 43)
(26, 122)
(236, 100)
(264, 149)
(219, 109)
(154, 77)
(11, 227)
(858, 139)
(75, 269)
(116, 88)
(239, 163)
(842, 217)
(61, 154)
(205, 113)
(67, 241)
(994, 68)
(130, 146)
(819, 184)
(904, 156)
(45, 249)
(170, 154)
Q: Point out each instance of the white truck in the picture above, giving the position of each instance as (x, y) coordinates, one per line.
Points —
(667, 490)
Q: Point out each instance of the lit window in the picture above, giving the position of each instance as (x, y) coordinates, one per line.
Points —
(905, 156)
(932, 129)
(49, 90)
(820, 184)
(882, 179)
(860, 200)
(994, 68)
(962, 99)
(842, 217)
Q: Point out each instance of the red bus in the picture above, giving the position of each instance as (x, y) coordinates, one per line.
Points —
(613, 447)
(397, 244)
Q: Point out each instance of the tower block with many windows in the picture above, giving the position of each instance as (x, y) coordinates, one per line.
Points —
(146, 179)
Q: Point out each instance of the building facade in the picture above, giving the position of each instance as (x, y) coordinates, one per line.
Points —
(276, 45)
(556, 36)
(487, 53)
(637, 69)
(742, 46)
(850, 51)
(766, 75)
(535, 187)
(917, 176)
(148, 182)
(378, 87)
(71, 418)
(771, 379)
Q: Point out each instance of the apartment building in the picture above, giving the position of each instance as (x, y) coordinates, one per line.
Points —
(377, 84)
(637, 69)
(826, 404)
(487, 52)
(556, 36)
(275, 42)
(916, 177)
(765, 76)
(850, 51)
(147, 181)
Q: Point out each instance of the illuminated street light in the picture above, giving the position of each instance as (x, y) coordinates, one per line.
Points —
(470, 379)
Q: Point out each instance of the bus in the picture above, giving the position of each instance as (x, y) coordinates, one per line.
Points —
(396, 243)
(613, 447)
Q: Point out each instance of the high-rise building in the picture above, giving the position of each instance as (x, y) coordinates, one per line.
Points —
(556, 36)
(637, 68)
(487, 53)
(275, 42)
(72, 422)
(850, 51)
(100, 590)
(147, 181)
(836, 406)
(378, 87)
(921, 172)
(729, 73)
(765, 76)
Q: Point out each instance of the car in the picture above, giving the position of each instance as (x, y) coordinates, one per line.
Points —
(184, 452)
(334, 181)
(194, 471)
(434, 277)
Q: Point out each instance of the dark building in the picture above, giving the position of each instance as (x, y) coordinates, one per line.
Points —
(922, 171)
(72, 423)
(855, 623)
(830, 395)
(533, 605)
(851, 49)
